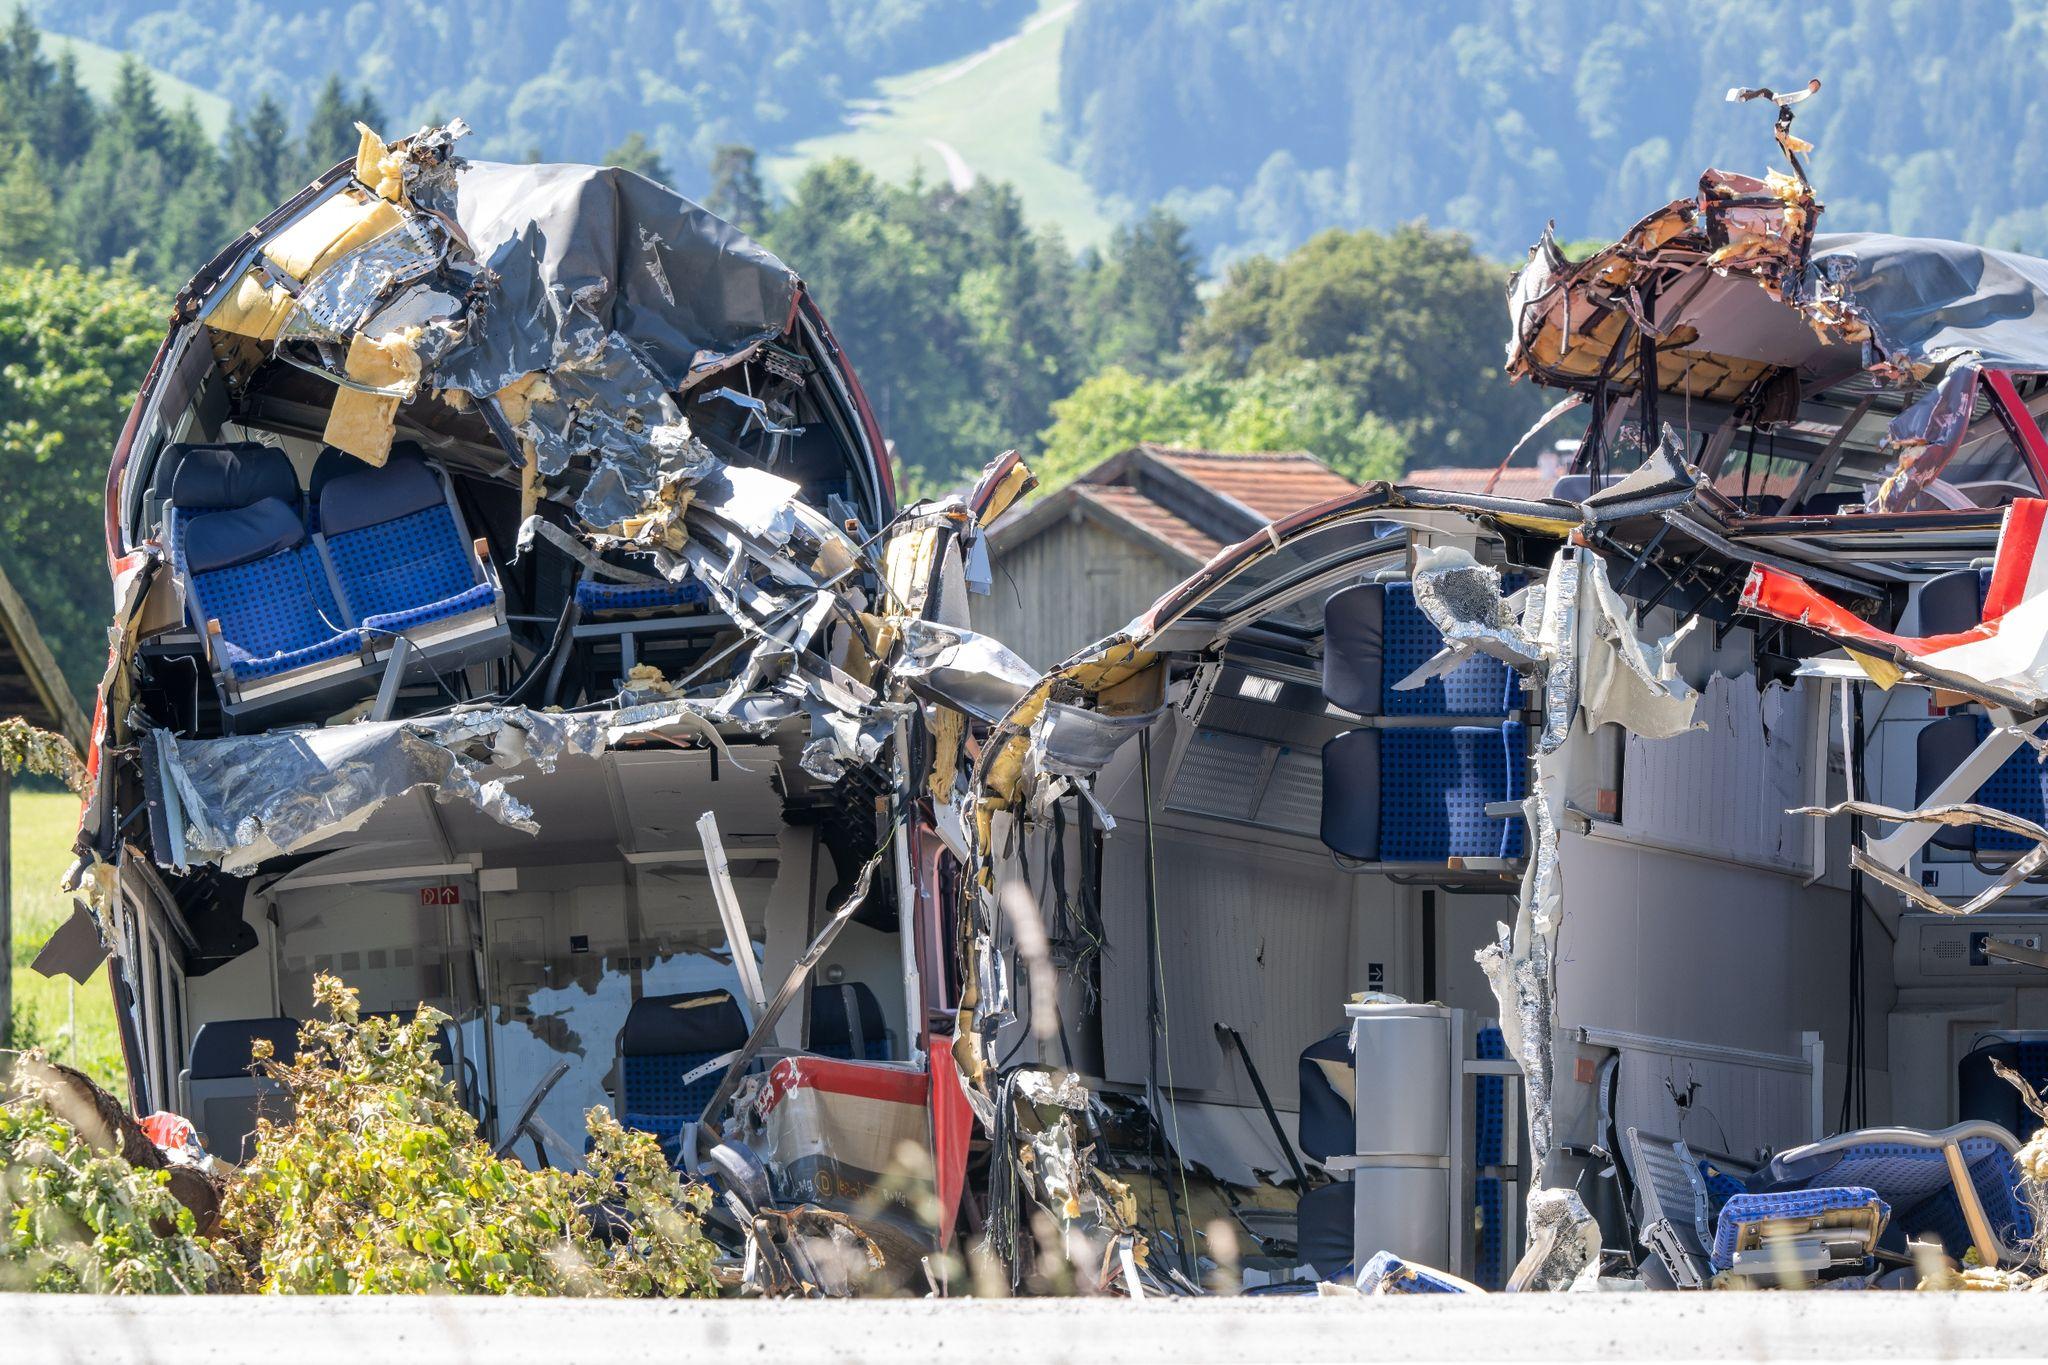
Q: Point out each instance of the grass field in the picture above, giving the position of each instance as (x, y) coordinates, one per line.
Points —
(986, 115)
(44, 1010)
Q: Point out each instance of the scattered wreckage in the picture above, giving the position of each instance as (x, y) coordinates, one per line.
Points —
(1625, 783)
(1436, 892)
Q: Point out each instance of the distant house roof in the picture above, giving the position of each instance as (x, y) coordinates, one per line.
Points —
(30, 684)
(1512, 483)
(1186, 504)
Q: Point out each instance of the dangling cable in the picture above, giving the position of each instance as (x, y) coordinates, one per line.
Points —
(1158, 1017)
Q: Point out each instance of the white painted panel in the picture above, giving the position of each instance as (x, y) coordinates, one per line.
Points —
(1729, 1106)
(1725, 790)
(1250, 935)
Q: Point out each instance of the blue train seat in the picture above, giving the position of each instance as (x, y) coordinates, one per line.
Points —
(1324, 1129)
(255, 586)
(1374, 635)
(1908, 1169)
(846, 1022)
(664, 1039)
(403, 561)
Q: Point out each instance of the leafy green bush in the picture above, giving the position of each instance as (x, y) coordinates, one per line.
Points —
(77, 1220)
(380, 1184)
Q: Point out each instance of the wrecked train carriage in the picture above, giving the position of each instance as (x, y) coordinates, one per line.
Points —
(1468, 878)
(513, 616)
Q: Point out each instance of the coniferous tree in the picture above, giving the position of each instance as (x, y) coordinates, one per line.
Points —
(262, 162)
(736, 191)
(28, 211)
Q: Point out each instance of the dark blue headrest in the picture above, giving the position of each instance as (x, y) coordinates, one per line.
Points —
(703, 1021)
(1353, 631)
(830, 1026)
(220, 1049)
(240, 535)
(233, 475)
(1953, 602)
(1939, 749)
(372, 496)
(1351, 794)
(1325, 1125)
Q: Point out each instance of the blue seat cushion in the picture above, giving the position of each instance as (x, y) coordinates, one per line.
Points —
(1434, 788)
(1353, 653)
(1325, 1126)
(1914, 1180)
(655, 1098)
(1481, 686)
(2019, 787)
(267, 590)
(1744, 1210)
(1387, 1273)
(414, 563)
(664, 1038)
(1323, 1222)
(396, 622)
(372, 495)
(237, 535)
(832, 1030)
(1351, 795)
(235, 474)
(604, 599)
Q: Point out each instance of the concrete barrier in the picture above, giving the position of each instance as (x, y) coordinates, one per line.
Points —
(1665, 1327)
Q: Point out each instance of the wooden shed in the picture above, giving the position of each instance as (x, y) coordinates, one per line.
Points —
(1079, 563)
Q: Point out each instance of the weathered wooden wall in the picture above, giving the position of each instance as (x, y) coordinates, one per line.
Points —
(1072, 584)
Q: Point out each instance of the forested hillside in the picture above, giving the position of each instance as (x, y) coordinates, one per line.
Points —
(565, 79)
(1259, 121)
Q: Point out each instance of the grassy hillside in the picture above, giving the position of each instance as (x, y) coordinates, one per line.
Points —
(44, 824)
(987, 115)
(98, 66)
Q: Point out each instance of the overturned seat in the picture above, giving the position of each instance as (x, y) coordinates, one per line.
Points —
(255, 587)
(666, 1038)
(223, 1095)
(1678, 1197)
(1959, 1185)
(1798, 1234)
(847, 1022)
(406, 571)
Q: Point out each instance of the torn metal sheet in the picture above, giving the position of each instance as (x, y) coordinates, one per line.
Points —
(1962, 815)
(75, 949)
(1077, 742)
(242, 800)
(2002, 659)
(1564, 1244)
(971, 672)
(1624, 679)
